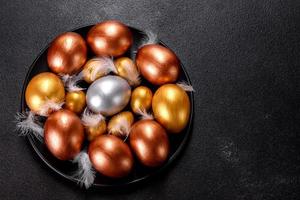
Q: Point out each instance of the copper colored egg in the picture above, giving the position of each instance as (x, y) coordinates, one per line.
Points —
(158, 64)
(67, 53)
(149, 141)
(109, 38)
(63, 134)
(110, 156)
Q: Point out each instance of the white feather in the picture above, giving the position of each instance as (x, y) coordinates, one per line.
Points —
(185, 86)
(49, 106)
(149, 38)
(105, 66)
(90, 119)
(133, 75)
(71, 82)
(85, 172)
(122, 128)
(26, 124)
(144, 114)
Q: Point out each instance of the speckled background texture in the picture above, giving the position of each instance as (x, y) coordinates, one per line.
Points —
(243, 58)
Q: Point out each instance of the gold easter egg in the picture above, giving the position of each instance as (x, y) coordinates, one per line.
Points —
(171, 107)
(44, 87)
(120, 124)
(94, 69)
(94, 131)
(141, 99)
(127, 69)
(75, 101)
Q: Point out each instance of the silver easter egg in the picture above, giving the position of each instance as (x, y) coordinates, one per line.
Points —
(108, 95)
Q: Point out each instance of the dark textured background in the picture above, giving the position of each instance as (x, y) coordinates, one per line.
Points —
(243, 58)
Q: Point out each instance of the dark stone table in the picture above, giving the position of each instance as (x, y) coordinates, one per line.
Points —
(243, 58)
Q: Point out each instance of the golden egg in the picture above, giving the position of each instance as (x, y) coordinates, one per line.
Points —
(94, 131)
(171, 107)
(75, 101)
(94, 69)
(44, 87)
(141, 99)
(119, 125)
(127, 69)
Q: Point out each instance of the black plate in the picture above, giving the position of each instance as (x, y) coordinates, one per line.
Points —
(67, 168)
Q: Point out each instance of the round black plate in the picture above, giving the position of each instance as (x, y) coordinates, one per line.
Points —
(67, 168)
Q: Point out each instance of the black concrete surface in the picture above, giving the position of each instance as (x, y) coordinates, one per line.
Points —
(243, 58)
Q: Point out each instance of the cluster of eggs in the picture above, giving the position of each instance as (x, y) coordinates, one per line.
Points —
(108, 95)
